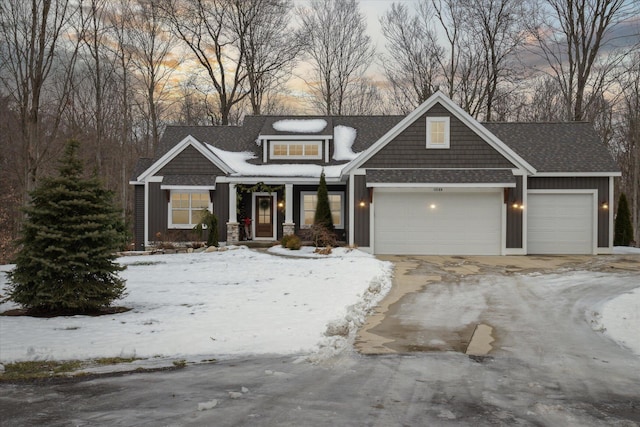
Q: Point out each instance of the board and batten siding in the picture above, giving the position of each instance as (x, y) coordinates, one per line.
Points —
(361, 214)
(579, 183)
(220, 201)
(158, 211)
(514, 215)
(138, 218)
(190, 162)
(408, 149)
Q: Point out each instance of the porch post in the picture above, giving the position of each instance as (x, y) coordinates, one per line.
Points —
(233, 228)
(288, 227)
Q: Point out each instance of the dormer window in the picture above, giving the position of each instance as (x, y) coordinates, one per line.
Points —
(437, 132)
(296, 150)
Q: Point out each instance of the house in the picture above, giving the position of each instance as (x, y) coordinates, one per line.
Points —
(433, 182)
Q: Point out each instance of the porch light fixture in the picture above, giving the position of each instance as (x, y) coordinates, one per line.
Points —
(605, 205)
(432, 205)
(515, 206)
(281, 204)
(362, 204)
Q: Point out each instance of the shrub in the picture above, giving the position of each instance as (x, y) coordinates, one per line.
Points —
(623, 231)
(291, 241)
(320, 236)
(323, 215)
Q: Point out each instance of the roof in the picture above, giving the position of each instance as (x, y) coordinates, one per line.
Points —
(142, 164)
(503, 177)
(195, 180)
(556, 147)
(567, 147)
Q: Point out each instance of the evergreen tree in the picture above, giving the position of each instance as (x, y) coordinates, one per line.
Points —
(65, 264)
(623, 229)
(323, 215)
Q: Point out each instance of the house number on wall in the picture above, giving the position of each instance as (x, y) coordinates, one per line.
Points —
(438, 189)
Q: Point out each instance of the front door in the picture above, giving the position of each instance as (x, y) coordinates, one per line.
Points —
(264, 216)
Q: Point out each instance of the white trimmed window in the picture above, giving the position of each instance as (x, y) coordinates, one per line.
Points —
(437, 132)
(296, 149)
(185, 208)
(308, 202)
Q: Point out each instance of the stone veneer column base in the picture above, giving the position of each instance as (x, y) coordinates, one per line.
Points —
(288, 228)
(233, 233)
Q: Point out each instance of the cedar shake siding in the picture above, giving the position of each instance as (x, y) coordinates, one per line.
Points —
(467, 149)
(514, 215)
(573, 183)
(190, 162)
(361, 213)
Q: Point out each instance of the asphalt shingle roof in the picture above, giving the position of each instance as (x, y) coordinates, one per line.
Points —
(441, 176)
(548, 147)
(197, 180)
(556, 147)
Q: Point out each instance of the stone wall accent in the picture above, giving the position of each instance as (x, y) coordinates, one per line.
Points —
(288, 228)
(233, 233)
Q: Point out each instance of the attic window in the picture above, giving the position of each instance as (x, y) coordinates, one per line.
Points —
(437, 132)
(296, 150)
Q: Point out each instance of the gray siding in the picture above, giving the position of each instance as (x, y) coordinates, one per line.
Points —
(361, 214)
(598, 183)
(138, 217)
(158, 211)
(221, 209)
(467, 150)
(514, 216)
(190, 162)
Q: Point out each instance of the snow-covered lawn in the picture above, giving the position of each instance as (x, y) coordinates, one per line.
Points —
(243, 302)
(198, 306)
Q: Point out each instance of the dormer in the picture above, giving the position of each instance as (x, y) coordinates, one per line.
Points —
(297, 139)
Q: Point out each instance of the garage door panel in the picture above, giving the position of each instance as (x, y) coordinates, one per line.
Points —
(437, 224)
(560, 223)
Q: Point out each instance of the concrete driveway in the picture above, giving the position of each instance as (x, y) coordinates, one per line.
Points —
(408, 319)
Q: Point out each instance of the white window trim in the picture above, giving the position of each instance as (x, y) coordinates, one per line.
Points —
(289, 143)
(446, 121)
(313, 193)
(170, 223)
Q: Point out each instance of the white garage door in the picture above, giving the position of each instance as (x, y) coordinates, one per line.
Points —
(560, 223)
(422, 223)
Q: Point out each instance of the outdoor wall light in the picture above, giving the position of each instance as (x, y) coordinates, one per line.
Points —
(432, 206)
(362, 204)
(515, 206)
(605, 205)
(281, 204)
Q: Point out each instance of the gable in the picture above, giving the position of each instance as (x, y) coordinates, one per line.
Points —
(190, 162)
(467, 148)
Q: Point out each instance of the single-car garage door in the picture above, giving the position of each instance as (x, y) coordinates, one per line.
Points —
(434, 223)
(560, 223)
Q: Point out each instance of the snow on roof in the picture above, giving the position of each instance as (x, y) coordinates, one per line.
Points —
(300, 125)
(238, 161)
(343, 138)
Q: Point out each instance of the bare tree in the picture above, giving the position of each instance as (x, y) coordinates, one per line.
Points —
(626, 147)
(499, 25)
(270, 47)
(148, 46)
(450, 16)
(338, 49)
(31, 61)
(205, 27)
(575, 39)
(414, 54)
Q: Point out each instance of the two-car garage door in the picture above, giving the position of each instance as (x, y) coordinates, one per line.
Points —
(437, 223)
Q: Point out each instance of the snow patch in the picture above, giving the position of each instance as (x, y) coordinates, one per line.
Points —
(620, 319)
(624, 250)
(193, 306)
(344, 137)
(300, 125)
